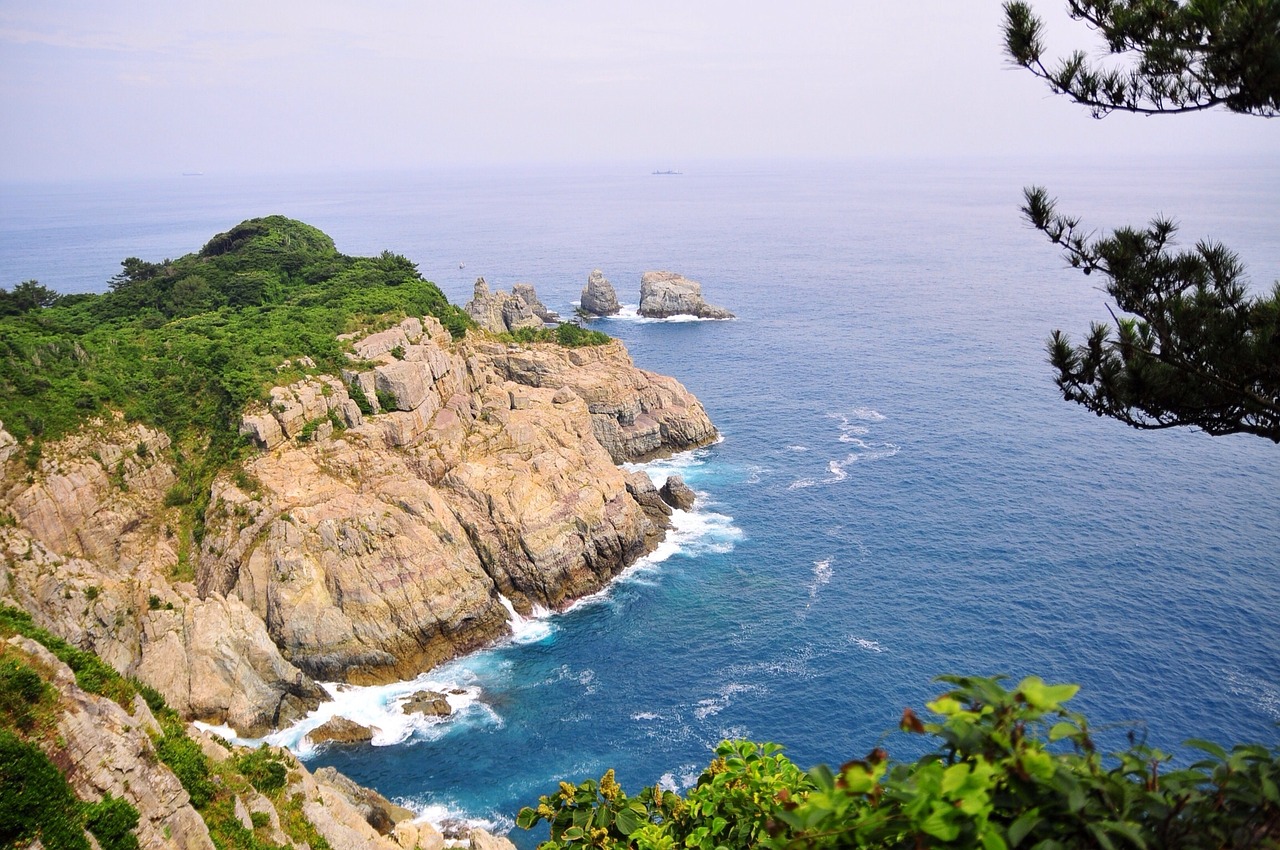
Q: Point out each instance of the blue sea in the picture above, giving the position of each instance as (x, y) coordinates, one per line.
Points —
(899, 492)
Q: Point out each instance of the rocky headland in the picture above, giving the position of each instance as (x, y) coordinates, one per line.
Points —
(354, 546)
(667, 294)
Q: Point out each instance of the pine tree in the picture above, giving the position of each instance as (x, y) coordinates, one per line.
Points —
(1192, 347)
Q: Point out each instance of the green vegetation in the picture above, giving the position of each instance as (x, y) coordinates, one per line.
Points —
(37, 802)
(1008, 769)
(567, 334)
(1195, 348)
(184, 345)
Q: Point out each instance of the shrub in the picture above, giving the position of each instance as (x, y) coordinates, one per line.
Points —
(112, 821)
(21, 690)
(188, 762)
(1010, 769)
(263, 769)
(37, 803)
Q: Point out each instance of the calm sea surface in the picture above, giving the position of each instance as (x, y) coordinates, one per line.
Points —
(900, 492)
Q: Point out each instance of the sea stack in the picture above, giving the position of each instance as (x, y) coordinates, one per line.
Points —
(500, 312)
(666, 294)
(598, 297)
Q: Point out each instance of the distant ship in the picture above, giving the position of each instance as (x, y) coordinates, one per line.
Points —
(668, 172)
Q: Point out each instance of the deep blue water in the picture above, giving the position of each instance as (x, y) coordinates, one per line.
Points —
(899, 493)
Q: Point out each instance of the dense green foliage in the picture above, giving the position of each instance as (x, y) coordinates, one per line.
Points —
(1186, 56)
(184, 344)
(1196, 349)
(35, 799)
(567, 334)
(1201, 351)
(1008, 769)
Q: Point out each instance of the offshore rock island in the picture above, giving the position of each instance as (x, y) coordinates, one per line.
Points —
(389, 495)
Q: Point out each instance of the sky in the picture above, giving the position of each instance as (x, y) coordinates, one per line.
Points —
(105, 88)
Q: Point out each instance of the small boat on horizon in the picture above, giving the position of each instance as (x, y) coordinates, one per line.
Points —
(668, 172)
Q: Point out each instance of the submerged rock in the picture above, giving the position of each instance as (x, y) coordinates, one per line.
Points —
(598, 297)
(666, 294)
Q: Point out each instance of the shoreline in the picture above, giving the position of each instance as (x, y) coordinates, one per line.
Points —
(379, 706)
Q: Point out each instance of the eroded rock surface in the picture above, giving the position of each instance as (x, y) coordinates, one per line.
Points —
(499, 311)
(666, 294)
(598, 296)
(374, 535)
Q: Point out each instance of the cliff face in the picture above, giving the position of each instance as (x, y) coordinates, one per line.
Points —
(353, 546)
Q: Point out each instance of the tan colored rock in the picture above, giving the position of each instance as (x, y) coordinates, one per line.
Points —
(408, 383)
(636, 415)
(263, 429)
(481, 840)
(8, 445)
(340, 730)
(103, 750)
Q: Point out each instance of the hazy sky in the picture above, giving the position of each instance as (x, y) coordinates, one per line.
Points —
(99, 87)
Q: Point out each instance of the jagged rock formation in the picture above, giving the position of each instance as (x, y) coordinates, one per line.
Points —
(666, 294)
(428, 703)
(635, 414)
(103, 749)
(387, 513)
(598, 296)
(677, 494)
(500, 312)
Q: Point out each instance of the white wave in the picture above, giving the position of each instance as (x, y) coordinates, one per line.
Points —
(681, 779)
(864, 643)
(756, 474)
(380, 708)
(801, 483)
(822, 573)
(645, 715)
(631, 313)
(527, 629)
(797, 448)
(224, 731)
(448, 817)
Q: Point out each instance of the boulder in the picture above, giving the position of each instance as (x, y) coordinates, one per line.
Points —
(598, 297)
(340, 730)
(429, 704)
(666, 294)
(677, 494)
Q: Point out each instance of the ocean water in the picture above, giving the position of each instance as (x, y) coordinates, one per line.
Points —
(899, 492)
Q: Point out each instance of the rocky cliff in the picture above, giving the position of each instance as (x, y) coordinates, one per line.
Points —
(666, 294)
(105, 749)
(373, 533)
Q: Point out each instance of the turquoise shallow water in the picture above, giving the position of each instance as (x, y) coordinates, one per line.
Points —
(899, 492)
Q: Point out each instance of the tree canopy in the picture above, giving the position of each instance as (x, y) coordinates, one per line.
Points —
(1193, 347)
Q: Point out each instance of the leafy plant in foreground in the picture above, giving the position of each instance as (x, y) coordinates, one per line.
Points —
(1010, 768)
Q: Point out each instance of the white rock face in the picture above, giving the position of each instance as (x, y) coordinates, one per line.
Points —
(666, 294)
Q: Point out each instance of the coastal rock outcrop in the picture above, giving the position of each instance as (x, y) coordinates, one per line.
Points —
(636, 415)
(500, 312)
(666, 294)
(103, 749)
(389, 517)
(598, 296)
(677, 494)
